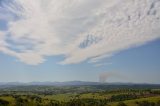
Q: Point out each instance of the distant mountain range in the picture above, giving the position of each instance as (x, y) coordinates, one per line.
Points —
(68, 83)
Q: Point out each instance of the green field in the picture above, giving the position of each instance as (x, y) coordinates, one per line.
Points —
(133, 102)
(79, 96)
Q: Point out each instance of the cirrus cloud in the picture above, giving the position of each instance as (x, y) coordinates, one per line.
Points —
(77, 29)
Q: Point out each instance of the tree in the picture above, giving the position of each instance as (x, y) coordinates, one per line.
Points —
(3, 102)
(158, 103)
(121, 104)
(21, 102)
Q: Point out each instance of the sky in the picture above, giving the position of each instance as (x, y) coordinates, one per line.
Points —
(86, 40)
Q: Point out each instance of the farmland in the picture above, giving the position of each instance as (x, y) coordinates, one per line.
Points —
(80, 95)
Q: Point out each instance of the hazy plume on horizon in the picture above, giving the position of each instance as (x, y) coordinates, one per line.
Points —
(103, 77)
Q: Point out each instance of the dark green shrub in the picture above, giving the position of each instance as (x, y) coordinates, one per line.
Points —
(3, 102)
(121, 104)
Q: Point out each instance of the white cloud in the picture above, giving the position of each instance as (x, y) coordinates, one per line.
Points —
(99, 58)
(49, 27)
(102, 64)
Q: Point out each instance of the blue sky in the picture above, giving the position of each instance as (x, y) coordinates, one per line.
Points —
(140, 64)
(82, 41)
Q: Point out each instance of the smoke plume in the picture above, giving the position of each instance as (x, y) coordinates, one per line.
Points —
(106, 75)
